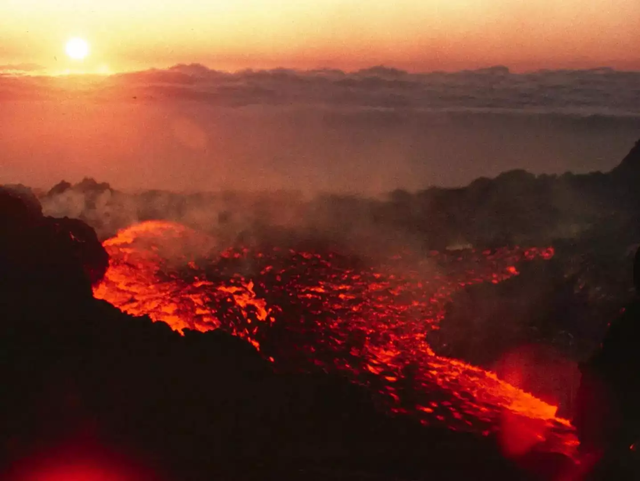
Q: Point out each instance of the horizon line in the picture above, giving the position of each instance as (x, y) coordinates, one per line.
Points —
(36, 70)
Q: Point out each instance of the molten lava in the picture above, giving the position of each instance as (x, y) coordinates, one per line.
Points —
(320, 310)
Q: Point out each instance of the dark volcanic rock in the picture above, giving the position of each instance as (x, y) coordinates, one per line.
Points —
(629, 168)
(192, 407)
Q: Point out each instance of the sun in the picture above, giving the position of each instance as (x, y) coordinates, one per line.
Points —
(77, 48)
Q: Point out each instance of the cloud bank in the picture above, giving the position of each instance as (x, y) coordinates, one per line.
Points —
(601, 91)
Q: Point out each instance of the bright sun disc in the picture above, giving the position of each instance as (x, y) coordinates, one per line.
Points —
(77, 48)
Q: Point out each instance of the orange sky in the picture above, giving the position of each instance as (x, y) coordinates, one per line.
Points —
(417, 35)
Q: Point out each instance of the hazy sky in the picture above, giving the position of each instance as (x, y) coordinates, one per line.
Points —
(417, 35)
(357, 129)
(192, 128)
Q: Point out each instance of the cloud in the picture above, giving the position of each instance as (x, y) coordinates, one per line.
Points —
(21, 68)
(583, 92)
(601, 91)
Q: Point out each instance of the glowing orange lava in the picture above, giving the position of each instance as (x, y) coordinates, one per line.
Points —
(320, 310)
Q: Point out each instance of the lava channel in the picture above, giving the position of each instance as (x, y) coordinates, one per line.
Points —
(320, 310)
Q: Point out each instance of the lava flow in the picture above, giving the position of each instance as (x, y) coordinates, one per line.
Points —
(320, 310)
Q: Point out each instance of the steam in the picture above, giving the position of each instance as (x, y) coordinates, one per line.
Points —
(516, 208)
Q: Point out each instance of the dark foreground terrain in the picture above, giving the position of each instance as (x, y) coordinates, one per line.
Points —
(86, 385)
(83, 381)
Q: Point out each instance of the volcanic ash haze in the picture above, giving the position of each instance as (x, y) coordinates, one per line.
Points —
(317, 309)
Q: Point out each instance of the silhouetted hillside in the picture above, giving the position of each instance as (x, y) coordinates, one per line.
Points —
(630, 165)
(514, 208)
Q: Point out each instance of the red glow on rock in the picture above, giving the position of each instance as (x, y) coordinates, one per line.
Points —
(76, 473)
(78, 460)
(519, 434)
(541, 369)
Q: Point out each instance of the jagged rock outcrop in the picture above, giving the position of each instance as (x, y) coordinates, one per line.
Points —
(629, 168)
(41, 254)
